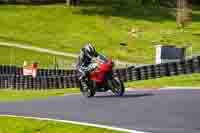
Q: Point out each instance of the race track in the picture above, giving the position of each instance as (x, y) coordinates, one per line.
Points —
(156, 111)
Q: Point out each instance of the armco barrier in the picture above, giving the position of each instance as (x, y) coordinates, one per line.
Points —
(45, 82)
(9, 70)
(13, 70)
(5, 81)
(11, 76)
(162, 70)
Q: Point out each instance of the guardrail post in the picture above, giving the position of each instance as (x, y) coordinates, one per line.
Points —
(142, 73)
(123, 75)
(25, 82)
(151, 71)
(157, 71)
(162, 70)
(67, 82)
(1, 82)
(189, 67)
(197, 64)
(129, 73)
(138, 73)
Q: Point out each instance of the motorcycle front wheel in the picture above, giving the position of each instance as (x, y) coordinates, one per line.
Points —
(90, 91)
(117, 86)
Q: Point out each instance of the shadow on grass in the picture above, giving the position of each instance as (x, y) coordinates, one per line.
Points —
(33, 2)
(196, 17)
(196, 34)
(126, 9)
(129, 9)
(100, 2)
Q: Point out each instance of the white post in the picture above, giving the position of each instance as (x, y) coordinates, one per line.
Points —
(68, 2)
(158, 54)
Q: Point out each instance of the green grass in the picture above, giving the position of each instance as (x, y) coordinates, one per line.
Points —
(17, 56)
(14, 95)
(21, 125)
(192, 80)
(63, 28)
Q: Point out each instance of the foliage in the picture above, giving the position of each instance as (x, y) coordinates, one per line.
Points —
(169, 3)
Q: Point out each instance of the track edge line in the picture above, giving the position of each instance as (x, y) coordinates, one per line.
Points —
(76, 123)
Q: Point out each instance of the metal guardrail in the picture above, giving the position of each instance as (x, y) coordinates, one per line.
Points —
(11, 76)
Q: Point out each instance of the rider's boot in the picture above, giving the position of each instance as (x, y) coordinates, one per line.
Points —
(84, 84)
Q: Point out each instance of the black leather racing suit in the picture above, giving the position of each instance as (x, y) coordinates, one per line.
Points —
(85, 66)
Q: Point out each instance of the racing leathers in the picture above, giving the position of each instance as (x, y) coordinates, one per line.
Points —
(85, 66)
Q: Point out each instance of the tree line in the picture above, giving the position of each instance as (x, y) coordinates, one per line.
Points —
(168, 3)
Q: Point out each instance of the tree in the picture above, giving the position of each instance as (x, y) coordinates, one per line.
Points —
(184, 12)
(72, 2)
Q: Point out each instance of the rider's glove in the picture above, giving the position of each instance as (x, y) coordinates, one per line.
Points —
(94, 66)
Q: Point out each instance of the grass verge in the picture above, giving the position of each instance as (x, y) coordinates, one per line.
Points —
(191, 80)
(22, 125)
(14, 95)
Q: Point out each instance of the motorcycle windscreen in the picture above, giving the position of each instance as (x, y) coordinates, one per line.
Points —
(101, 58)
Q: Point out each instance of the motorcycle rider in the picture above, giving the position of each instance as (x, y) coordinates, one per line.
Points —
(85, 65)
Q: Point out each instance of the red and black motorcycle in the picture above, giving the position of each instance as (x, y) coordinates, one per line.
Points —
(103, 79)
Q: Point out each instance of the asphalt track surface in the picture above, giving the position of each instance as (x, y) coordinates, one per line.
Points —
(156, 111)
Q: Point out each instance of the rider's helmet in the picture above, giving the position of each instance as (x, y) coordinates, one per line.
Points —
(89, 51)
